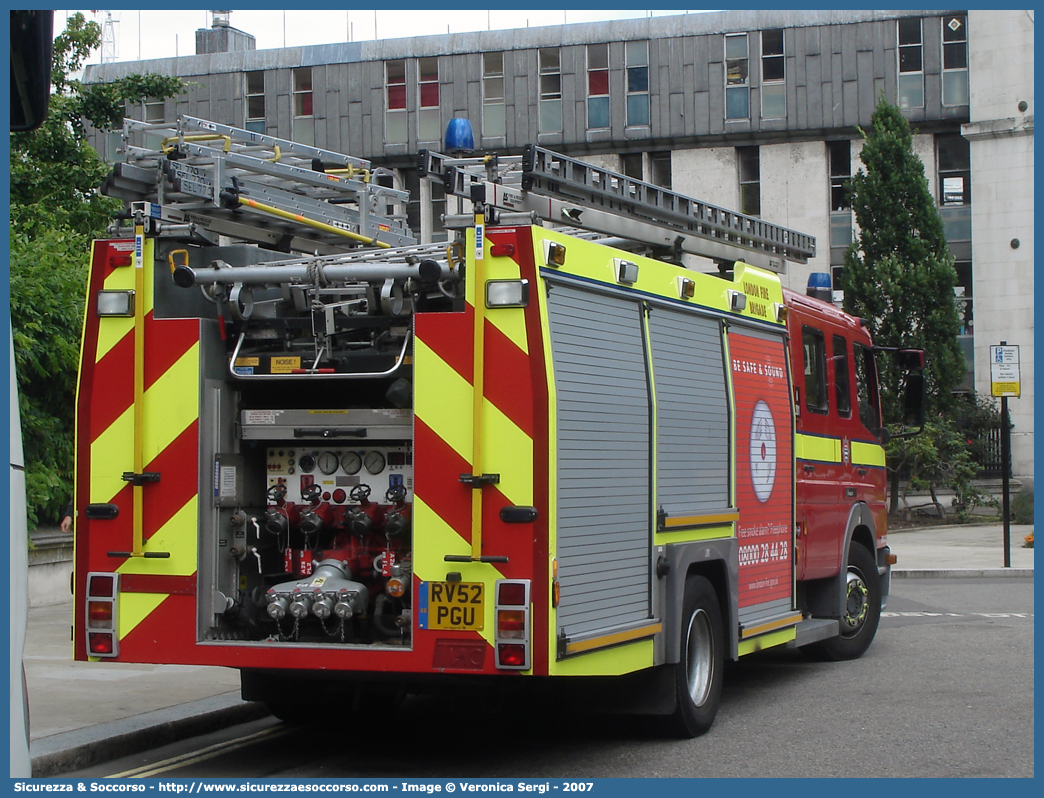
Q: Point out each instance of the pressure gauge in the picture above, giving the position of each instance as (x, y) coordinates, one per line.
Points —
(374, 462)
(327, 462)
(351, 462)
(306, 464)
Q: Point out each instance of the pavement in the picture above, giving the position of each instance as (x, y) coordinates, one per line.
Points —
(84, 713)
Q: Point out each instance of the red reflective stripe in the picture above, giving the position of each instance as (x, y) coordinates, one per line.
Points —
(448, 335)
(508, 386)
(113, 372)
(178, 467)
(166, 341)
(436, 472)
(152, 583)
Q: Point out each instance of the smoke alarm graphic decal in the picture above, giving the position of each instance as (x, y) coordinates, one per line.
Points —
(762, 451)
(764, 470)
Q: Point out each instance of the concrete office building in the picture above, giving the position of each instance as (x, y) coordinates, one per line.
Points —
(751, 110)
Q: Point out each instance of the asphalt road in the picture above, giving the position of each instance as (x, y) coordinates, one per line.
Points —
(945, 691)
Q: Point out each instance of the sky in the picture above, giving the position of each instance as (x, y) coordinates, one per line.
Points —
(163, 34)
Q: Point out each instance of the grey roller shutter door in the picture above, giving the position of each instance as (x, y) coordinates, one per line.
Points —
(692, 413)
(604, 515)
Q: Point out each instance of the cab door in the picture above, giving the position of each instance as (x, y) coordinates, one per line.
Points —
(818, 459)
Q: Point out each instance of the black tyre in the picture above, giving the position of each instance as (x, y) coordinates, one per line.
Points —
(698, 674)
(289, 712)
(861, 612)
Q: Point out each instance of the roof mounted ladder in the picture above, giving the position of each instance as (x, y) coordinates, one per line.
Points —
(556, 188)
(254, 187)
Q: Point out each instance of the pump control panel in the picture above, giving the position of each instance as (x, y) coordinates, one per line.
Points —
(338, 470)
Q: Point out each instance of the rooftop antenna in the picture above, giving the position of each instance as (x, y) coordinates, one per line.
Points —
(109, 48)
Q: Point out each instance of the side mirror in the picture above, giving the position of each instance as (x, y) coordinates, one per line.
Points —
(914, 400)
(910, 359)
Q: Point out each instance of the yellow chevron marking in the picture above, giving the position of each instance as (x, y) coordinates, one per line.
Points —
(111, 330)
(508, 452)
(176, 537)
(110, 457)
(441, 409)
(440, 539)
(871, 454)
(171, 404)
(135, 608)
(165, 420)
(511, 322)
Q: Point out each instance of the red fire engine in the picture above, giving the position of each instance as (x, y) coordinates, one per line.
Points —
(548, 450)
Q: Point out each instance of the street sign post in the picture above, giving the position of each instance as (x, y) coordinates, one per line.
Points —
(1005, 375)
(1005, 381)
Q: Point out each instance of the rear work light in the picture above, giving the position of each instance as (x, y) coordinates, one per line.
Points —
(115, 303)
(513, 624)
(101, 628)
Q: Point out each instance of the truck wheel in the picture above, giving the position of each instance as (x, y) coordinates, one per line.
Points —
(861, 613)
(698, 673)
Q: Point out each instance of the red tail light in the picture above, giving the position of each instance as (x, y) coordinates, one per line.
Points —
(101, 585)
(512, 655)
(512, 628)
(100, 620)
(511, 594)
(102, 644)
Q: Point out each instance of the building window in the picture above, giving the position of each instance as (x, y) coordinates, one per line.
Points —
(660, 166)
(493, 95)
(597, 86)
(303, 124)
(840, 173)
(550, 116)
(255, 102)
(395, 131)
(154, 110)
(773, 75)
(839, 154)
(631, 165)
(953, 165)
(963, 296)
(429, 116)
(737, 84)
(953, 155)
(303, 91)
(416, 214)
(637, 83)
(911, 67)
(749, 180)
(955, 60)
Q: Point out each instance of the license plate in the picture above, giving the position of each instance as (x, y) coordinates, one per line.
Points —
(456, 605)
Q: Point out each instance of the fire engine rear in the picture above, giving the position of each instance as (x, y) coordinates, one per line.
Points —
(347, 464)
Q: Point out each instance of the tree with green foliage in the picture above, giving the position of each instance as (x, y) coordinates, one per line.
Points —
(899, 274)
(56, 210)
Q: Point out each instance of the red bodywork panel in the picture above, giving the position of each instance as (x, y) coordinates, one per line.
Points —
(828, 487)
